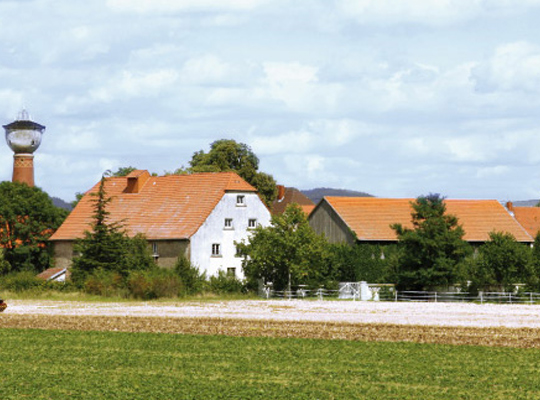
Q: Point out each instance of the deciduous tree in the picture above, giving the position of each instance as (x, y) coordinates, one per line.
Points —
(27, 219)
(501, 263)
(431, 252)
(286, 251)
(228, 155)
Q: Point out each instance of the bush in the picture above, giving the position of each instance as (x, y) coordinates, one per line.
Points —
(105, 283)
(193, 281)
(21, 281)
(225, 283)
(153, 284)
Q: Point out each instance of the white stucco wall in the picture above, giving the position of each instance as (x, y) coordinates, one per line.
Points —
(213, 231)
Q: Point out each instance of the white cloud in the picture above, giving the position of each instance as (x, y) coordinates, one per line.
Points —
(432, 12)
(315, 135)
(167, 6)
(135, 84)
(207, 69)
(513, 67)
(297, 86)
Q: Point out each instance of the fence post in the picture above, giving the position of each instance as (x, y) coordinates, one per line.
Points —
(395, 295)
(435, 297)
(530, 297)
(481, 297)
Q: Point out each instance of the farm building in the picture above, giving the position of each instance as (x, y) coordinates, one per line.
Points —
(290, 195)
(528, 217)
(368, 219)
(199, 216)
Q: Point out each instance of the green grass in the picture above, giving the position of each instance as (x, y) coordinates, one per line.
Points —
(103, 365)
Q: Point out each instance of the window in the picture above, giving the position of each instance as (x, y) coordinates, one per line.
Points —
(231, 272)
(238, 252)
(216, 250)
(252, 223)
(241, 200)
(228, 223)
(155, 253)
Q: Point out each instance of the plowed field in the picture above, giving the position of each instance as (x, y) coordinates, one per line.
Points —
(445, 323)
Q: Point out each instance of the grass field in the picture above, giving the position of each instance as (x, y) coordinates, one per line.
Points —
(53, 364)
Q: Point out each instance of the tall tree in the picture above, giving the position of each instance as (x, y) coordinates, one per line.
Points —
(502, 262)
(433, 249)
(107, 247)
(286, 251)
(27, 219)
(228, 155)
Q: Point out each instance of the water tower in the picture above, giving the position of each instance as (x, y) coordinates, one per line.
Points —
(23, 136)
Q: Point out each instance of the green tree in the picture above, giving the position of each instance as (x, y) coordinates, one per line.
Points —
(287, 250)
(228, 155)
(107, 247)
(193, 280)
(28, 218)
(363, 262)
(501, 263)
(433, 250)
(123, 171)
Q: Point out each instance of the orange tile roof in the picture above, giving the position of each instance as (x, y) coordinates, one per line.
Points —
(529, 218)
(163, 207)
(292, 195)
(370, 217)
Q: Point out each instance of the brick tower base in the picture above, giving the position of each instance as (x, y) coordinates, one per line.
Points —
(23, 169)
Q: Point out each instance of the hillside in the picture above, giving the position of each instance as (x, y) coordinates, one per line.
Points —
(315, 195)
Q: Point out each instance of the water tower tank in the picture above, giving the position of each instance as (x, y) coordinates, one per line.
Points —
(23, 136)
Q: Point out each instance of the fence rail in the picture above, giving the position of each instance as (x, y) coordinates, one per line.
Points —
(407, 296)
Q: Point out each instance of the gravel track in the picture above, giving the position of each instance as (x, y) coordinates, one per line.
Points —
(450, 323)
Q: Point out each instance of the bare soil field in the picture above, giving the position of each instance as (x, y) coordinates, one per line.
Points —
(448, 323)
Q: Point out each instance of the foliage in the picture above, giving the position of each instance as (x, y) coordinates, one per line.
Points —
(123, 171)
(153, 284)
(363, 262)
(27, 219)
(287, 250)
(107, 247)
(501, 263)
(21, 281)
(224, 283)
(193, 281)
(105, 283)
(228, 155)
(159, 366)
(433, 249)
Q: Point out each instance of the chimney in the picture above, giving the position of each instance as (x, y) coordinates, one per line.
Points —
(136, 180)
(509, 206)
(280, 192)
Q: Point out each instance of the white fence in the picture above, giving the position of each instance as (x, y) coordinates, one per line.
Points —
(361, 291)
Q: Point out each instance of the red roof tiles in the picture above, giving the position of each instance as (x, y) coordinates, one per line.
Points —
(288, 195)
(529, 218)
(160, 207)
(370, 217)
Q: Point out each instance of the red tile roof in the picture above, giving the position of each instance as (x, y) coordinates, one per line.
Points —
(160, 207)
(51, 273)
(370, 217)
(529, 218)
(291, 195)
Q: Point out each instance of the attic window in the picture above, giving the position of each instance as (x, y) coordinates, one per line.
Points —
(241, 200)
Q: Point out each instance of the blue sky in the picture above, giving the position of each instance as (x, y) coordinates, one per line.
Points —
(396, 98)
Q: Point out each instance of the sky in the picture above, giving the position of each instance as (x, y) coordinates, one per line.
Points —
(391, 97)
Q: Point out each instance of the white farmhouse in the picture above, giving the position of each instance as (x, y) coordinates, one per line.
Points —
(199, 216)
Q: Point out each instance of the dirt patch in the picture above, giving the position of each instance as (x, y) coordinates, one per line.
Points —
(493, 336)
